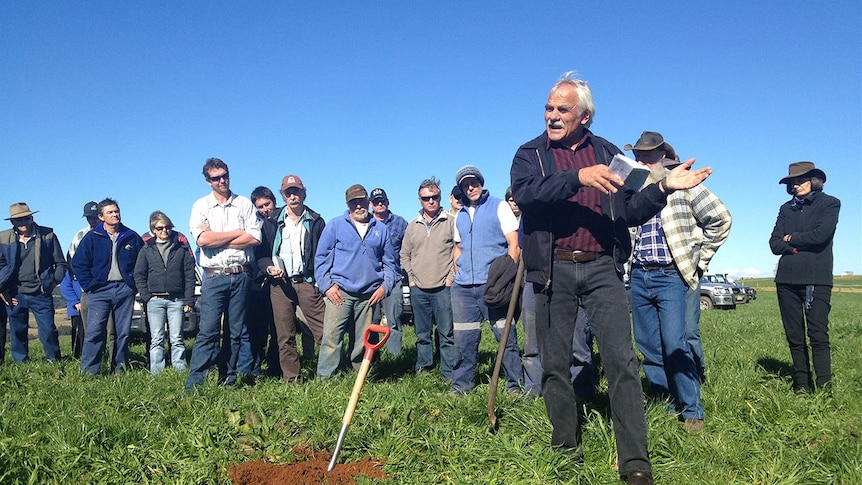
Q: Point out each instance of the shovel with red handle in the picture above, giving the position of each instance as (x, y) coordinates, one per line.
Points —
(357, 386)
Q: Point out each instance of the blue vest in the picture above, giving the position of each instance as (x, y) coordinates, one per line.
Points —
(482, 241)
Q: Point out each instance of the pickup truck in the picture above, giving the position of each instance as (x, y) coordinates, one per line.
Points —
(715, 293)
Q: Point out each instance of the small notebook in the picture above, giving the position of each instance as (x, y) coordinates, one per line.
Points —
(633, 173)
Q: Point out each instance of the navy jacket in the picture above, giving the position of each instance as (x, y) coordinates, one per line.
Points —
(92, 261)
(807, 258)
(50, 263)
(542, 192)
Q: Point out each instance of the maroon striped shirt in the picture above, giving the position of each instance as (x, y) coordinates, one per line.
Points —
(581, 225)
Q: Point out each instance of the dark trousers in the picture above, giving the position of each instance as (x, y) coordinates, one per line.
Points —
(815, 319)
(77, 335)
(599, 289)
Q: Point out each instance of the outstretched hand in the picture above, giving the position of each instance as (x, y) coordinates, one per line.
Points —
(682, 177)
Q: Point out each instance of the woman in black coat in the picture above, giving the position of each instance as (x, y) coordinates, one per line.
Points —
(803, 238)
(165, 277)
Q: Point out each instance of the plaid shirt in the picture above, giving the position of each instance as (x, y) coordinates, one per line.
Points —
(650, 245)
(695, 224)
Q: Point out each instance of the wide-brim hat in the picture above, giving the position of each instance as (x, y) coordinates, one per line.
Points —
(19, 209)
(802, 169)
(650, 140)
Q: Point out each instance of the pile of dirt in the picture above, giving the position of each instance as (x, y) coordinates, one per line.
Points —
(309, 468)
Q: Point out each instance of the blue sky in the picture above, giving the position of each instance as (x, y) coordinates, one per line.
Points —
(128, 99)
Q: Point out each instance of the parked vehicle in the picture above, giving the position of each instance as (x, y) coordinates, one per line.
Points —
(717, 294)
(750, 292)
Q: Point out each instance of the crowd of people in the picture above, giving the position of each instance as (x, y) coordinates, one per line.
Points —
(270, 274)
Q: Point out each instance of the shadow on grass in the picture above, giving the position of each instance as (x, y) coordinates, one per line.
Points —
(776, 368)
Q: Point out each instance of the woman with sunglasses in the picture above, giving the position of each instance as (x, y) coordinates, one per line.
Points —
(803, 238)
(165, 277)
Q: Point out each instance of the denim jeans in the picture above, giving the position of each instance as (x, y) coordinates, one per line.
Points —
(160, 311)
(393, 307)
(815, 322)
(692, 329)
(220, 293)
(429, 307)
(258, 323)
(352, 317)
(600, 290)
(114, 299)
(468, 312)
(659, 318)
(583, 370)
(42, 307)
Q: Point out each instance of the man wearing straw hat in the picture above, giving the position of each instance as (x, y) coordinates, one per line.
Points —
(31, 265)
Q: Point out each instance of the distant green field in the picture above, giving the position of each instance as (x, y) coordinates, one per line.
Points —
(843, 281)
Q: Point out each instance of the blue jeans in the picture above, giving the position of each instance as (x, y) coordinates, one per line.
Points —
(115, 299)
(583, 370)
(159, 311)
(468, 312)
(692, 329)
(42, 307)
(659, 318)
(220, 293)
(600, 290)
(352, 317)
(429, 307)
(393, 307)
(258, 323)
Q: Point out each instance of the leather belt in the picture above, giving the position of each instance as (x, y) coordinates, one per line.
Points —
(297, 278)
(232, 269)
(651, 267)
(575, 256)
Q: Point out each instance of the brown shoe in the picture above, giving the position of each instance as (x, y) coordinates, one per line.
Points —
(639, 478)
(692, 425)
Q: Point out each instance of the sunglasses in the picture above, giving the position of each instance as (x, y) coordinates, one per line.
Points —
(430, 198)
(225, 176)
(162, 228)
(379, 202)
(21, 220)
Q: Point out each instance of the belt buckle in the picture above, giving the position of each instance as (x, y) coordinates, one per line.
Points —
(234, 268)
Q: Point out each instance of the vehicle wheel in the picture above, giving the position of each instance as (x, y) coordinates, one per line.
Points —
(705, 303)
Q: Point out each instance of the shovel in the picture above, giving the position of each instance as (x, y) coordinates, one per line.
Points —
(495, 376)
(357, 386)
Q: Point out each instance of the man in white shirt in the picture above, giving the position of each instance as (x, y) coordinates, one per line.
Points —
(226, 228)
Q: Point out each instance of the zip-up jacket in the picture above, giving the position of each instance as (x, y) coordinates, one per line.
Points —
(270, 242)
(176, 276)
(51, 266)
(426, 252)
(542, 192)
(357, 265)
(92, 261)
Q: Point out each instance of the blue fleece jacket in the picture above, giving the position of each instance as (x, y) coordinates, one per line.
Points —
(355, 264)
(482, 241)
(92, 261)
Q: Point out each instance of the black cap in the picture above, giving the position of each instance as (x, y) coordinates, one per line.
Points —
(378, 194)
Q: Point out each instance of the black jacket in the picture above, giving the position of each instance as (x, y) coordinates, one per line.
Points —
(177, 277)
(542, 192)
(314, 225)
(807, 258)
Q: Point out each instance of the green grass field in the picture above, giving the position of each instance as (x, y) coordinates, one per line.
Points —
(59, 427)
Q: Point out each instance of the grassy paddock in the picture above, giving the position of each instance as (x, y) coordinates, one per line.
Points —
(59, 427)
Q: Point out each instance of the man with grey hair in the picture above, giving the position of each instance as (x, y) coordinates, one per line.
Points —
(426, 256)
(355, 267)
(575, 216)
